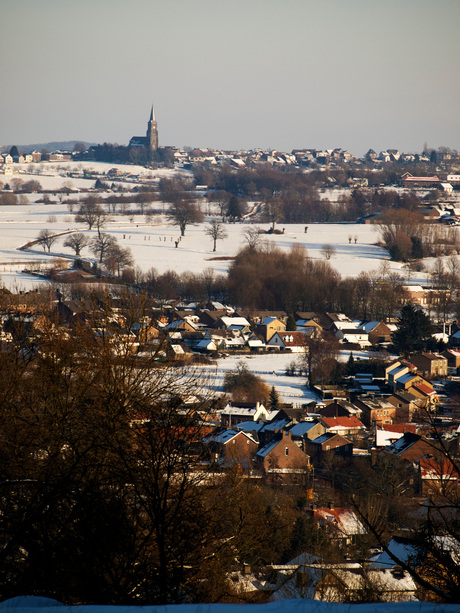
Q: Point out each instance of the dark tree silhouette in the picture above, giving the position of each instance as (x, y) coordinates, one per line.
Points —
(413, 332)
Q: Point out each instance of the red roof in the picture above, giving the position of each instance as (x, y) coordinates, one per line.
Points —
(399, 428)
(431, 468)
(298, 338)
(344, 422)
(425, 389)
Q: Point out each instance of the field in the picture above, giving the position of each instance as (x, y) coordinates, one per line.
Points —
(152, 242)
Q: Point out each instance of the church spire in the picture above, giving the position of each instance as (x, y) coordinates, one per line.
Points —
(152, 132)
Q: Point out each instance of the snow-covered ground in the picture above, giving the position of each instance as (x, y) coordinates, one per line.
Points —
(271, 368)
(153, 242)
(28, 604)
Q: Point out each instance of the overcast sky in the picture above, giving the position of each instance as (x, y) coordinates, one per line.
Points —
(233, 74)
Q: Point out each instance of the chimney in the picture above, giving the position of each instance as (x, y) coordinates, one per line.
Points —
(330, 505)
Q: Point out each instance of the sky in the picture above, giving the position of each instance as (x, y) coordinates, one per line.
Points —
(233, 74)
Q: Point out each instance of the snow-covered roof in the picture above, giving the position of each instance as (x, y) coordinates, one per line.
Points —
(402, 549)
(302, 428)
(342, 518)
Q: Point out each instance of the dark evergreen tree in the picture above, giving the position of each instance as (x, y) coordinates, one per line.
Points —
(414, 330)
(274, 400)
(351, 364)
(300, 538)
(291, 325)
(14, 151)
(234, 210)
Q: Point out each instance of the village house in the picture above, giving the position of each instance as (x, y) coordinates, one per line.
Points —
(233, 323)
(350, 427)
(232, 415)
(347, 331)
(282, 460)
(438, 476)
(453, 360)
(339, 408)
(328, 444)
(409, 180)
(209, 317)
(396, 370)
(341, 524)
(411, 447)
(268, 326)
(387, 434)
(221, 340)
(229, 446)
(306, 430)
(430, 364)
(353, 585)
(406, 405)
(256, 317)
(423, 390)
(379, 333)
(376, 411)
(288, 341)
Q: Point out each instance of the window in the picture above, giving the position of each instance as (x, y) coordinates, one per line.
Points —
(286, 451)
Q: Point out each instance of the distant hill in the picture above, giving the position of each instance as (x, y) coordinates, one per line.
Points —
(64, 145)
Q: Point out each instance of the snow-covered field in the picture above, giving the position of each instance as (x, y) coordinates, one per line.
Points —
(153, 243)
(271, 369)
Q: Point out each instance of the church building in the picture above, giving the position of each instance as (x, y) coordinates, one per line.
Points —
(150, 140)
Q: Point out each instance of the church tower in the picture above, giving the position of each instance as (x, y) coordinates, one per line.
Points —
(152, 132)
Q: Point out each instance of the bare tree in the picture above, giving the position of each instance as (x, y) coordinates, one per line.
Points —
(76, 242)
(116, 258)
(47, 238)
(274, 210)
(328, 251)
(183, 213)
(100, 244)
(216, 231)
(91, 213)
(252, 236)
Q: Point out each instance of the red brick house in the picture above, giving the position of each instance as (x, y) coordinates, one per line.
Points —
(230, 446)
(430, 364)
(282, 460)
(411, 447)
(328, 443)
(406, 405)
